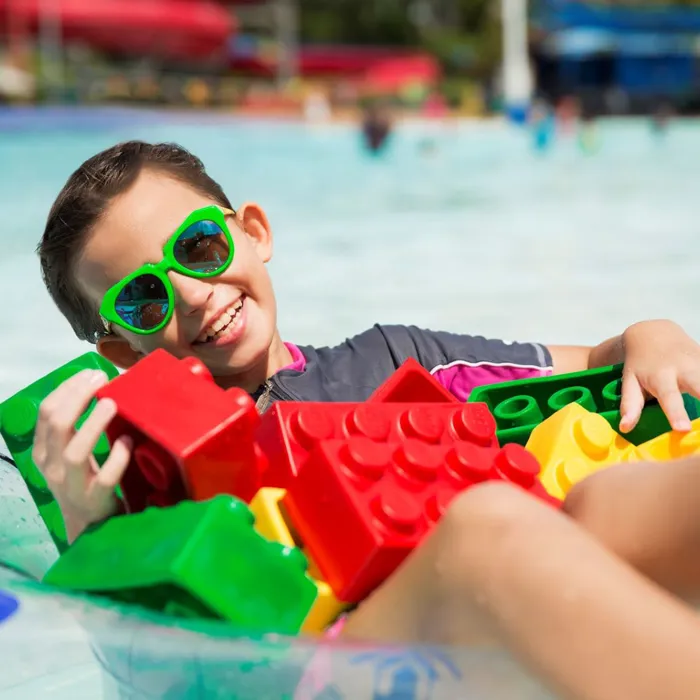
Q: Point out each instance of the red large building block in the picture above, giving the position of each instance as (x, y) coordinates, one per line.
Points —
(412, 383)
(290, 429)
(361, 506)
(191, 438)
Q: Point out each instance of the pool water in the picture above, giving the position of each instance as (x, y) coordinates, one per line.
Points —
(479, 235)
(461, 227)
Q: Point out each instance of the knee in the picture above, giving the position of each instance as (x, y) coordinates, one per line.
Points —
(492, 505)
(482, 524)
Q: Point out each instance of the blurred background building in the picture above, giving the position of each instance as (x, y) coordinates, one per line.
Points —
(618, 56)
(286, 56)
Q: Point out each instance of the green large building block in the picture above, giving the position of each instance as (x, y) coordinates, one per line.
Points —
(521, 405)
(18, 417)
(201, 559)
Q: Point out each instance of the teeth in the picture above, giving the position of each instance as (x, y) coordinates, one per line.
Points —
(222, 321)
(222, 324)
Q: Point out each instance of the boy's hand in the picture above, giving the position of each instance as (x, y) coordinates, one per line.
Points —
(83, 491)
(663, 361)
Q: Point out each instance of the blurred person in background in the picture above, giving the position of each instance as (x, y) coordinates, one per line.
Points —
(661, 118)
(376, 127)
(568, 112)
(588, 140)
(542, 125)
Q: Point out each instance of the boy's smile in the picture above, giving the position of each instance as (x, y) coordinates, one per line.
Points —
(223, 323)
(225, 326)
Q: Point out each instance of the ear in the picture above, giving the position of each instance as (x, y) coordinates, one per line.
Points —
(254, 223)
(118, 351)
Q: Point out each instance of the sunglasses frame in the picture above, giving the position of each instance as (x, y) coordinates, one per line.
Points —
(108, 308)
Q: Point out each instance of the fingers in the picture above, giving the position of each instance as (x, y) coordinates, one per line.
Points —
(669, 396)
(664, 386)
(64, 455)
(690, 383)
(632, 402)
(114, 467)
(59, 413)
(76, 456)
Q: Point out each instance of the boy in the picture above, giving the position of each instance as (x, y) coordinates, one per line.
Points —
(142, 250)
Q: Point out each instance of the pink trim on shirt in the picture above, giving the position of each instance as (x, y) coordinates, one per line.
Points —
(298, 360)
(461, 377)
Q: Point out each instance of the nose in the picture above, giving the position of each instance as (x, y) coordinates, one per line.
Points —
(191, 294)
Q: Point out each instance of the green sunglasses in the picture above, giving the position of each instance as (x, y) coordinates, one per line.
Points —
(144, 301)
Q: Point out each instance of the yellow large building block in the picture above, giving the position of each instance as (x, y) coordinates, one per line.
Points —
(271, 523)
(672, 445)
(573, 444)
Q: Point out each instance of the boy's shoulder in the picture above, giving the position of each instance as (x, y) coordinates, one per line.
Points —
(394, 344)
(353, 369)
(382, 348)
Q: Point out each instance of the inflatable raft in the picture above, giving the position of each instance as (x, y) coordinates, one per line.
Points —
(56, 646)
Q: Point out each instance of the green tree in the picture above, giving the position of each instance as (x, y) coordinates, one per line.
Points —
(464, 34)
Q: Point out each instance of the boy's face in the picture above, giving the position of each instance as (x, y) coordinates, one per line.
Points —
(133, 232)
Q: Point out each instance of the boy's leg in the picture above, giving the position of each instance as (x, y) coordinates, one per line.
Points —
(503, 568)
(649, 515)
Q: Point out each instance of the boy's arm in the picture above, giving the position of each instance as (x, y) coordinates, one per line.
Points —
(661, 360)
(461, 362)
(577, 358)
(442, 352)
(569, 358)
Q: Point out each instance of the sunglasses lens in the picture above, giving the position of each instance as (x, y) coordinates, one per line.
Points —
(143, 302)
(202, 247)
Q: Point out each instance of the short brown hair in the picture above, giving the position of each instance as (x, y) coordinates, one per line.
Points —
(85, 198)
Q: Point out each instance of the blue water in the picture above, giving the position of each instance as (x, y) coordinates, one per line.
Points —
(481, 234)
